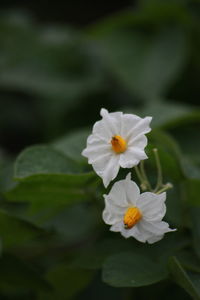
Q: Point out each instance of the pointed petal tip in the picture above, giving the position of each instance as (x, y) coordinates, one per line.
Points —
(105, 183)
(128, 176)
(163, 196)
(144, 156)
(174, 229)
(149, 118)
(83, 153)
(103, 112)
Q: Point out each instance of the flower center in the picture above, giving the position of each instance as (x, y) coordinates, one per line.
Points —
(131, 217)
(119, 145)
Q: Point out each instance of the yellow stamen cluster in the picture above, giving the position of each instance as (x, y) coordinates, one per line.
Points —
(119, 145)
(131, 217)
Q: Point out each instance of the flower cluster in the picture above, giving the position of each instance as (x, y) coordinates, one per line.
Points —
(118, 140)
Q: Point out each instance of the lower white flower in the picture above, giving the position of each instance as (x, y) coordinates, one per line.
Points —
(134, 214)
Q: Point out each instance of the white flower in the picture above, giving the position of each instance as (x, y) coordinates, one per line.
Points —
(134, 214)
(116, 140)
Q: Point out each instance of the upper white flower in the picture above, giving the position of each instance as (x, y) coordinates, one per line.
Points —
(116, 140)
(134, 214)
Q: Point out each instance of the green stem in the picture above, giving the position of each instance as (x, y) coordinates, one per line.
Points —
(145, 178)
(138, 174)
(166, 187)
(159, 170)
(143, 183)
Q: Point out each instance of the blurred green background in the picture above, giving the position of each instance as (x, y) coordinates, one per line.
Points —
(59, 59)
(60, 62)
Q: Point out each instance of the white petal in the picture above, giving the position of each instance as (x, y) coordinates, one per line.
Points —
(117, 194)
(154, 228)
(124, 193)
(129, 121)
(95, 139)
(144, 234)
(102, 130)
(110, 124)
(107, 167)
(111, 169)
(95, 151)
(109, 218)
(100, 163)
(134, 232)
(117, 227)
(131, 157)
(152, 206)
(132, 190)
(103, 112)
(154, 239)
(128, 176)
(142, 127)
(140, 142)
(112, 214)
(113, 208)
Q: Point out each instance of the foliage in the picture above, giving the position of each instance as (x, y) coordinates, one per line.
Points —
(53, 82)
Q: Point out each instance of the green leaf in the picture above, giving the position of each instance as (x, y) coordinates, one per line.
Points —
(192, 191)
(66, 282)
(74, 223)
(47, 175)
(48, 181)
(43, 160)
(50, 194)
(14, 231)
(161, 11)
(54, 66)
(195, 222)
(44, 163)
(92, 258)
(181, 116)
(6, 175)
(194, 277)
(16, 276)
(190, 167)
(189, 260)
(175, 206)
(52, 188)
(146, 65)
(73, 144)
(128, 269)
(168, 246)
(167, 114)
(188, 282)
(189, 142)
(51, 62)
(153, 12)
(190, 126)
(169, 153)
(1, 248)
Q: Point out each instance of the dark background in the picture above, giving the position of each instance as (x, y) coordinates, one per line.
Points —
(15, 132)
(23, 120)
(76, 13)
